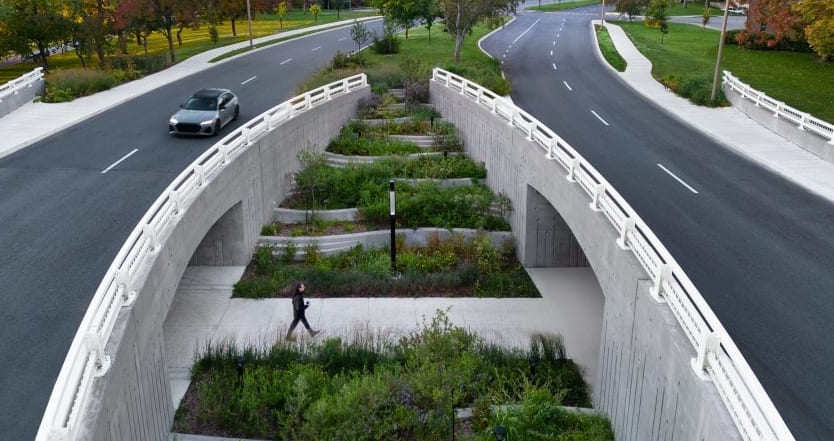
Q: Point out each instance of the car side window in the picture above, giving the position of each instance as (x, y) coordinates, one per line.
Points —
(225, 99)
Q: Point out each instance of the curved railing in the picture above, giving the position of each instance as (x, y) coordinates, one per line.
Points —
(25, 80)
(86, 358)
(803, 120)
(718, 359)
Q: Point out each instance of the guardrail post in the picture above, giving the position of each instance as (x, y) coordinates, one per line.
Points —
(530, 131)
(759, 99)
(201, 179)
(512, 115)
(778, 109)
(245, 132)
(574, 165)
(327, 93)
(628, 227)
(553, 144)
(224, 149)
(802, 121)
(495, 105)
(95, 345)
(308, 103)
(174, 197)
(463, 87)
(480, 94)
(656, 290)
(148, 230)
(709, 344)
(123, 279)
(598, 192)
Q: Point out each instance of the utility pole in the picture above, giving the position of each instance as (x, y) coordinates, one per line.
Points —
(720, 51)
(249, 16)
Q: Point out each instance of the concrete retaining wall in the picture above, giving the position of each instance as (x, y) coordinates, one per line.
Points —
(805, 139)
(646, 386)
(132, 401)
(24, 95)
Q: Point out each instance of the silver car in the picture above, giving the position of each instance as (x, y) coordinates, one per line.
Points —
(205, 113)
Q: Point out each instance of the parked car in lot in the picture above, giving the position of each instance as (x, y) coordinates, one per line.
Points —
(205, 113)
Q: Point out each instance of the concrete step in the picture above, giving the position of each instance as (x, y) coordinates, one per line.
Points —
(336, 160)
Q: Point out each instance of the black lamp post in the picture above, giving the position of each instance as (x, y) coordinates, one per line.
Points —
(500, 432)
(392, 200)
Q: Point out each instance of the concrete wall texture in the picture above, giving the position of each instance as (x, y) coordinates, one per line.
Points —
(646, 386)
(132, 401)
(24, 95)
(805, 139)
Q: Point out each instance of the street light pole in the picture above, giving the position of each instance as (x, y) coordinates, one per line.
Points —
(720, 51)
(602, 16)
(249, 16)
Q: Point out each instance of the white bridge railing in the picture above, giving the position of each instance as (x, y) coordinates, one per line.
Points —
(803, 120)
(718, 359)
(87, 358)
(23, 81)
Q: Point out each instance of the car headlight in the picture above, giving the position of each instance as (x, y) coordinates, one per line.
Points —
(173, 121)
(207, 122)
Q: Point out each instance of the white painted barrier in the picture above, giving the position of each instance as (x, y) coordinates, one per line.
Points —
(26, 80)
(803, 120)
(87, 358)
(718, 359)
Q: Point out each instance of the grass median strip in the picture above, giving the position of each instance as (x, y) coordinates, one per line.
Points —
(562, 6)
(609, 52)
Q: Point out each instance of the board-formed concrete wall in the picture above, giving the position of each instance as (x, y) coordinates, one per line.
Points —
(805, 139)
(132, 401)
(10, 103)
(645, 384)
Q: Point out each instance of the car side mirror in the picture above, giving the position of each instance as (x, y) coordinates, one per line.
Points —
(182, 105)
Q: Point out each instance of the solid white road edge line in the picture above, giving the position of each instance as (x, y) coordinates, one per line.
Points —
(678, 179)
(250, 79)
(286, 61)
(567, 85)
(600, 118)
(119, 161)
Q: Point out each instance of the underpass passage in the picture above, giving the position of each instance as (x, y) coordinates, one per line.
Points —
(225, 243)
(758, 247)
(549, 242)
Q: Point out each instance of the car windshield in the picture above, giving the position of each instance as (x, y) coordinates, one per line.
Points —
(196, 103)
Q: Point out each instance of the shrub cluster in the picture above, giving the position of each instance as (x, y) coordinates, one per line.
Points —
(68, 84)
(442, 267)
(766, 41)
(370, 390)
(348, 143)
(483, 75)
(697, 88)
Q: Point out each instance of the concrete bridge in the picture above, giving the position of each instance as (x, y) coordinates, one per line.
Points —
(666, 364)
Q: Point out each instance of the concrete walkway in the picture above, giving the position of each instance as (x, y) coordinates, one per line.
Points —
(727, 125)
(203, 311)
(35, 121)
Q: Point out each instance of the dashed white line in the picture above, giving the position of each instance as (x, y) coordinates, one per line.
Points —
(600, 118)
(554, 42)
(286, 61)
(343, 39)
(557, 35)
(316, 48)
(525, 31)
(247, 81)
(504, 56)
(567, 85)
(119, 161)
(554, 66)
(678, 179)
(551, 52)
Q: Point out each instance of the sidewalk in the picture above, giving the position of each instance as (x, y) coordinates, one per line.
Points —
(728, 125)
(35, 121)
(203, 311)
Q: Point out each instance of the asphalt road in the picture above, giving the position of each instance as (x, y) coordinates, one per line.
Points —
(759, 248)
(62, 220)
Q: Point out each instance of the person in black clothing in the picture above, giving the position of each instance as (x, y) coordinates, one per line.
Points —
(298, 308)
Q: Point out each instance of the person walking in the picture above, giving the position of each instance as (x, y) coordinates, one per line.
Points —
(298, 308)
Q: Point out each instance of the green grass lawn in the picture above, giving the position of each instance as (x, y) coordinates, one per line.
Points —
(799, 79)
(565, 5)
(692, 8)
(197, 41)
(474, 64)
(609, 52)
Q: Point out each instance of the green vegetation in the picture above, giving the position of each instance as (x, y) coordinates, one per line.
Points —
(454, 267)
(367, 389)
(693, 8)
(391, 70)
(347, 143)
(606, 46)
(566, 5)
(687, 59)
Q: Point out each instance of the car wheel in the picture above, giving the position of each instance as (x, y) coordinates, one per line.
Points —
(216, 130)
(237, 113)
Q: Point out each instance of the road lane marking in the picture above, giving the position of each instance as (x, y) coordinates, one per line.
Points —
(119, 161)
(554, 66)
(286, 61)
(526, 31)
(600, 118)
(557, 35)
(343, 39)
(551, 52)
(567, 85)
(678, 179)
(504, 56)
(316, 48)
(554, 42)
(249, 80)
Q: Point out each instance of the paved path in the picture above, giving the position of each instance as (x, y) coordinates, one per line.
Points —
(203, 311)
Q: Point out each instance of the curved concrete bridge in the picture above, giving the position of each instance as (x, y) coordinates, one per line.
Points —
(660, 341)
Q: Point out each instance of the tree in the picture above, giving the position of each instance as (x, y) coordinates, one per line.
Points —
(776, 18)
(235, 10)
(91, 25)
(282, 12)
(34, 24)
(630, 7)
(656, 12)
(338, 5)
(402, 12)
(359, 34)
(428, 11)
(462, 15)
(817, 18)
(315, 9)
